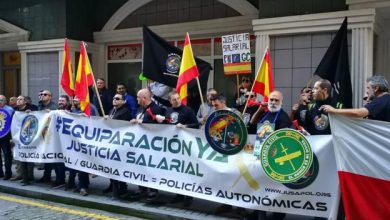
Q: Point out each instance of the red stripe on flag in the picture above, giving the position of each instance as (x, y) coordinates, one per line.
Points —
(67, 71)
(84, 79)
(188, 70)
(264, 82)
(260, 87)
(365, 197)
(187, 76)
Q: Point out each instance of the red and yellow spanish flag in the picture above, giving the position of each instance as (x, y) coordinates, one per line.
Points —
(188, 70)
(84, 79)
(264, 82)
(67, 82)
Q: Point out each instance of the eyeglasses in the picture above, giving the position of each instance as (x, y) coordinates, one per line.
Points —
(117, 98)
(2, 100)
(245, 80)
(44, 94)
(274, 100)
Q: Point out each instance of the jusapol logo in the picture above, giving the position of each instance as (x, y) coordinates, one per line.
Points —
(29, 129)
(286, 156)
(173, 63)
(225, 132)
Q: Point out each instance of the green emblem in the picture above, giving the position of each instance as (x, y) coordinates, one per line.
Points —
(286, 156)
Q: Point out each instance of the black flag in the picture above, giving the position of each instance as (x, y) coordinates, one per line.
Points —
(334, 67)
(161, 63)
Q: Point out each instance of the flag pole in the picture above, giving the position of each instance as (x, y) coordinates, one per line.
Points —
(253, 84)
(96, 89)
(238, 87)
(200, 93)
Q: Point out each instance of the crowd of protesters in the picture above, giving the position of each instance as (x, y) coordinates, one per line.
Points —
(161, 104)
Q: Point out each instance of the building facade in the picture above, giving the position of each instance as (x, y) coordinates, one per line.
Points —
(298, 32)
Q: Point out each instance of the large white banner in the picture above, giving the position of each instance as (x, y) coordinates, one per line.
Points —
(181, 161)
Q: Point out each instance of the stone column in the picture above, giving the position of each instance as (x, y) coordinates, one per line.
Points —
(262, 42)
(23, 73)
(361, 62)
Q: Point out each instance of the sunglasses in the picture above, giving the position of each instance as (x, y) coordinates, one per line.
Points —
(247, 96)
(307, 91)
(117, 98)
(44, 94)
(245, 80)
(274, 100)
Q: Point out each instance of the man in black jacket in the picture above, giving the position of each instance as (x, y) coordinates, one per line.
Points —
(316, 120)
(180, 115)
(183, 117)
(147, 114)
(105, 97)
(119, 112)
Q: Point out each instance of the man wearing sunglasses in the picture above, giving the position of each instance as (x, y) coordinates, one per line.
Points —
(119, 112)
(46, 103)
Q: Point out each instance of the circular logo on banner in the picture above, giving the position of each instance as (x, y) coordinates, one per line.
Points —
(286, 156)
(225, 132)
(29, 129)
(5, 122)
(308, 178)
(173, 63)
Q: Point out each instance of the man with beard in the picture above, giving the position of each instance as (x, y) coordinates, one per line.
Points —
(316, 120)
(26, 168)
(275, 115)
(147, 114)
(266, 122)
(59, 168)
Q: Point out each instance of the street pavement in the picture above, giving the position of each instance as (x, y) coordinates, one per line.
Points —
(20, 208)
(159, 209)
